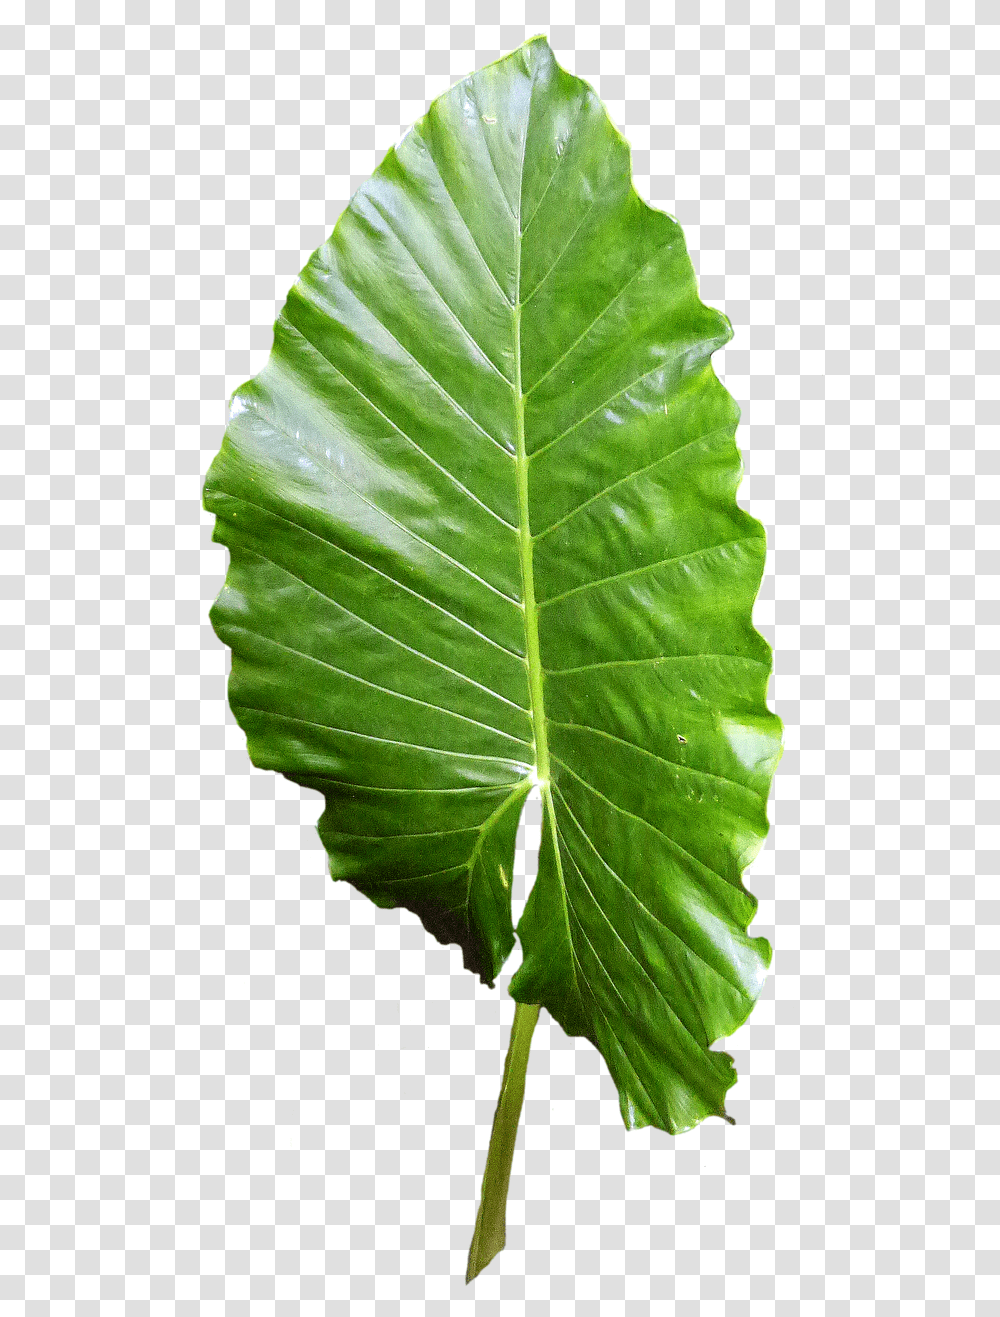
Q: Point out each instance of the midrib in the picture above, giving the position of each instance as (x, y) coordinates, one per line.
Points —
(533, 655)
(532, 652)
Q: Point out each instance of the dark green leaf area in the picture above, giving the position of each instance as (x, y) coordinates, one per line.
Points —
(482, 519)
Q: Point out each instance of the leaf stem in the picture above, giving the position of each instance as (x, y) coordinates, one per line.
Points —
(490, 1234)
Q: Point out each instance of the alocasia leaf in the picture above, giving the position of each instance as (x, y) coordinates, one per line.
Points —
(481, 510)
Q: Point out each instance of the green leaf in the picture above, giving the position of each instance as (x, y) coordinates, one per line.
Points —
(481, 510)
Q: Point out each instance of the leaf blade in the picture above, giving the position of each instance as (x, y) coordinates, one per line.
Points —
(481, 510)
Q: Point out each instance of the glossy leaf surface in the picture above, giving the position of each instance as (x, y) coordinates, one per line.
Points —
(481, 512)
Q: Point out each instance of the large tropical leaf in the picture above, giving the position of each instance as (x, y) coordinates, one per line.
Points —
(480, 505)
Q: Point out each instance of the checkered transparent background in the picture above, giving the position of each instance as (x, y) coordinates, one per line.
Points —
(230, 1087)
